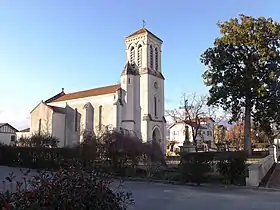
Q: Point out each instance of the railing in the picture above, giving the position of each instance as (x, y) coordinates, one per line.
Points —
(258, 170)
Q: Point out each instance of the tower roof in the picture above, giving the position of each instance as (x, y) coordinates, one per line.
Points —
(129, 69)
(143, 31)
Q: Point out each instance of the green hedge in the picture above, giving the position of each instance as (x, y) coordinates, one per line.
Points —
(198, 167)
(37, 158)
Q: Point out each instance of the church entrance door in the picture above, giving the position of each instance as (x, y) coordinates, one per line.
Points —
(156, 135)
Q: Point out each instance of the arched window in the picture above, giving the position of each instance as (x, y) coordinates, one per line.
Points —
(132, 55)
(155, 105)
(156, 58)
(139, 56)
(151, 57)
(100, 118)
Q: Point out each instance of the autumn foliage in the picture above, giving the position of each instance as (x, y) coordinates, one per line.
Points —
(235, 135)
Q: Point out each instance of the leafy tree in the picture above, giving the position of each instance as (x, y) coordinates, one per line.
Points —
(243, 70)
(258, 138)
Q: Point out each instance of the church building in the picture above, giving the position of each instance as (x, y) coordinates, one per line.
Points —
(135, 105)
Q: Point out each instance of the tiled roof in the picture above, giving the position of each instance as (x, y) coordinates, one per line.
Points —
(143, 31)
(193, 124)
(88, 93)
(25, 130)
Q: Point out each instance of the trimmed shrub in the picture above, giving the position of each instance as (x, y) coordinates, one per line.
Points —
(114, 152)
(197, 167)
(36, 158)
(233, 168)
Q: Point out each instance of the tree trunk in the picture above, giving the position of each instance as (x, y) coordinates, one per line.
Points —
(247, 127)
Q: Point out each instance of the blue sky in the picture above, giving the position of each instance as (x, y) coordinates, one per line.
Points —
(49, 44)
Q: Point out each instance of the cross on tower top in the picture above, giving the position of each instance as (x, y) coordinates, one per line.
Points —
(143, 23)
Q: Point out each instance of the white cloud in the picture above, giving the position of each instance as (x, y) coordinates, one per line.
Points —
(17, 118)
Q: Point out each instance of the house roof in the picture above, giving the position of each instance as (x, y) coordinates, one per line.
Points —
(205, 119)
(53, 108)
(3, 124)
(143, 31)
(188, 123)
(88, 93)
(25, 130)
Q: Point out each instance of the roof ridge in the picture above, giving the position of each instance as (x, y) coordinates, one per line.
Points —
(94, 88)
(89, 92)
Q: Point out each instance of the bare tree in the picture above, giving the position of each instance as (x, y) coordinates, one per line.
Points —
(193, 110)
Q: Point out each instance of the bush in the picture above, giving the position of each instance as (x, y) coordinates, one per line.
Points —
(38, 140)
(196, 167)
(70, 188)
(233, 168)
(112, 152)
(121, 153)
(36, 158)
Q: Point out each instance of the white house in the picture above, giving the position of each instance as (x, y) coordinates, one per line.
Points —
(178, 130)
(135, 104)
(25, 133)
(7, 134)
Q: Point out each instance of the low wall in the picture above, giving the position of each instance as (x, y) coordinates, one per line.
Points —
(258, 170)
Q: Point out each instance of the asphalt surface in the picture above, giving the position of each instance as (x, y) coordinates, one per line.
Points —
(274, 181)
(152, 196)
(155, 196)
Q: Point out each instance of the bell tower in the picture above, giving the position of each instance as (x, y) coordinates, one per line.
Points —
(143, 51)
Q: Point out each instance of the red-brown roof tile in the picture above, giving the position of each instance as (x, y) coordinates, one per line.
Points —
(89, 93)
(143, 31)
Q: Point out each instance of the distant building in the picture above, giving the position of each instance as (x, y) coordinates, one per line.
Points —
(204, 136)
(24, 133)
(7, 134)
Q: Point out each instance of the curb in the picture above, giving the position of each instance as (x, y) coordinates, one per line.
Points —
(202, 185)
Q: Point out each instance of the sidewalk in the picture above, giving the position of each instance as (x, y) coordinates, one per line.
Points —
(274, 181)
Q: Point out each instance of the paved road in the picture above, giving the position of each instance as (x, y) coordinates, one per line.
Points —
(151, 196)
